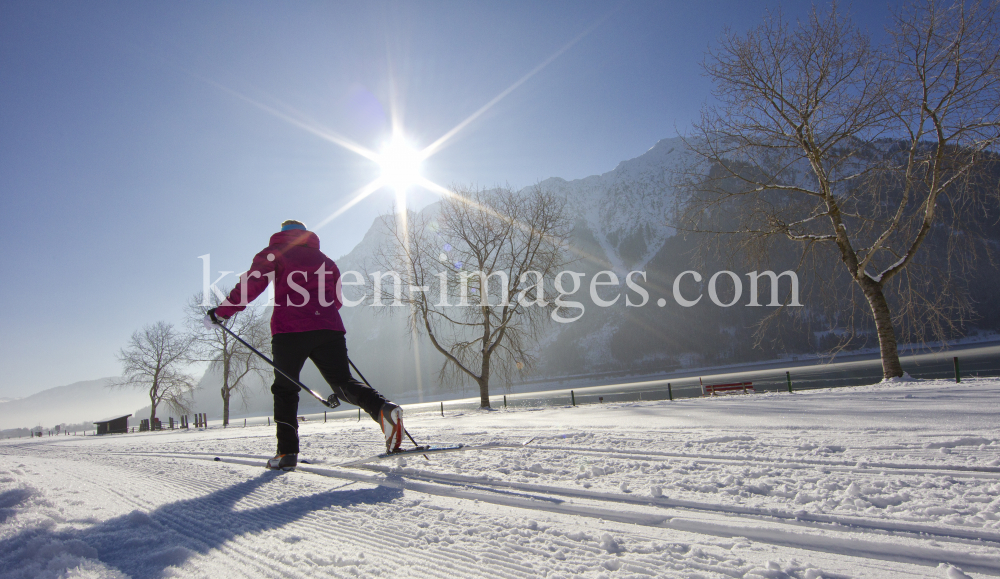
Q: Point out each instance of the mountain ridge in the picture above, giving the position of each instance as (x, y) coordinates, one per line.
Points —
(83, 401)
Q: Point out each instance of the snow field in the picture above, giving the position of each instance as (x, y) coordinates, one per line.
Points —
(879, 481)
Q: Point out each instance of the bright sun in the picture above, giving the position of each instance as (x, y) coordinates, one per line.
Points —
(400, 164)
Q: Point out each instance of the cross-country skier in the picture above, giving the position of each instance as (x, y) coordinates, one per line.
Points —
(305, 324)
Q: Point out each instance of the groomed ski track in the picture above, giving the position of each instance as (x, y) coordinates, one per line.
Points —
(168, 508)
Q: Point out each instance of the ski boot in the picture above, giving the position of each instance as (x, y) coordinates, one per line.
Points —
(390, 418)
(285, 462)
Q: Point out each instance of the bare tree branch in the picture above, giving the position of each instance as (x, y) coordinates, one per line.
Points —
(226, 355)
(475, 278)
(151, 361)
(823, 139)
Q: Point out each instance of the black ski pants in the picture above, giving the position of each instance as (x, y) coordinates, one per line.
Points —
(328, 350)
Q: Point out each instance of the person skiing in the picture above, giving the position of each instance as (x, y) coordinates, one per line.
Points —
(305, 323)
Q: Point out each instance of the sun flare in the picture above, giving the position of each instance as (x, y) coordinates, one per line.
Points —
(401, 164)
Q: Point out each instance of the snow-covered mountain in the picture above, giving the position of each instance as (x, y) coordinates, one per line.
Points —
(75, 403)
(620, 224)
(627, 210)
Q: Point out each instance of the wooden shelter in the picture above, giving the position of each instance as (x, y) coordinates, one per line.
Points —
(114, 425)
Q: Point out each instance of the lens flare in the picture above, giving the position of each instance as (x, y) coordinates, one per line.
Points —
(401, 164)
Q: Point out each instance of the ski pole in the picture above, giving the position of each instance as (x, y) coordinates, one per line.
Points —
(336, 401)
(362, 376)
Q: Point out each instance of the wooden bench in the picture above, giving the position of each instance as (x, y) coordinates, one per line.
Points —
(715, 389)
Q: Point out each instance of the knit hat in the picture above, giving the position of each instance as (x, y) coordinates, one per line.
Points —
(292, 224)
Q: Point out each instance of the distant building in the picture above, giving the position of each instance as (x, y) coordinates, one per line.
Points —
(115, 425)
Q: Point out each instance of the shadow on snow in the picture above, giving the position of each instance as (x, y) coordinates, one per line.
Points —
(143, 545)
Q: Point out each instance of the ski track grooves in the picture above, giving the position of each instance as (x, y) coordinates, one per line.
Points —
(158, 488)
(234, 548)
(953, 470)
(799, 518)
(156, 484)
(456, 486)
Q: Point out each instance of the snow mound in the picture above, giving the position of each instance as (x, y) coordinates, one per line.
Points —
(968, 441)
(742, 438)
(952, 572)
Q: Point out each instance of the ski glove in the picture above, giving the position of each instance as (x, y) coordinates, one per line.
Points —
(209, 321)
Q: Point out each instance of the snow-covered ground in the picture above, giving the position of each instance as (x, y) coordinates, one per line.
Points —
(898, 480)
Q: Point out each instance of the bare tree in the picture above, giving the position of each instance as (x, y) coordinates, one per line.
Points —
(226, 355)
(474, 278)
(857, 153)
(152, 361)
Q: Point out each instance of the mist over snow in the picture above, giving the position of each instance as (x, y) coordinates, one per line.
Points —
(72, 404)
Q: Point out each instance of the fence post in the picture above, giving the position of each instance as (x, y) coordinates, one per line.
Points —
(788, 376)
(958, 375)
(670, 391)
(269, 421)
(572, 397)
(505, 401)
(702, 384)
(324, 417)
(244, 423)
(442, 409)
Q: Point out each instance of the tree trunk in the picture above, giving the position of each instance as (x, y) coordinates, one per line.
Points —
(484, 374)
(484, 393)
(225, 389)
(484, 383)
(152, 407)
(891, 368)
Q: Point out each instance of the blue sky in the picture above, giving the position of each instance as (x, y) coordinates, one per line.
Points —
(135, 136)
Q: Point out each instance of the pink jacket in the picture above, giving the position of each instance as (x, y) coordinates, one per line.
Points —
(299, 271)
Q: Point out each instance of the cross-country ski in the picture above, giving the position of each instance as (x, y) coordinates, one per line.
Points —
(424, 450)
